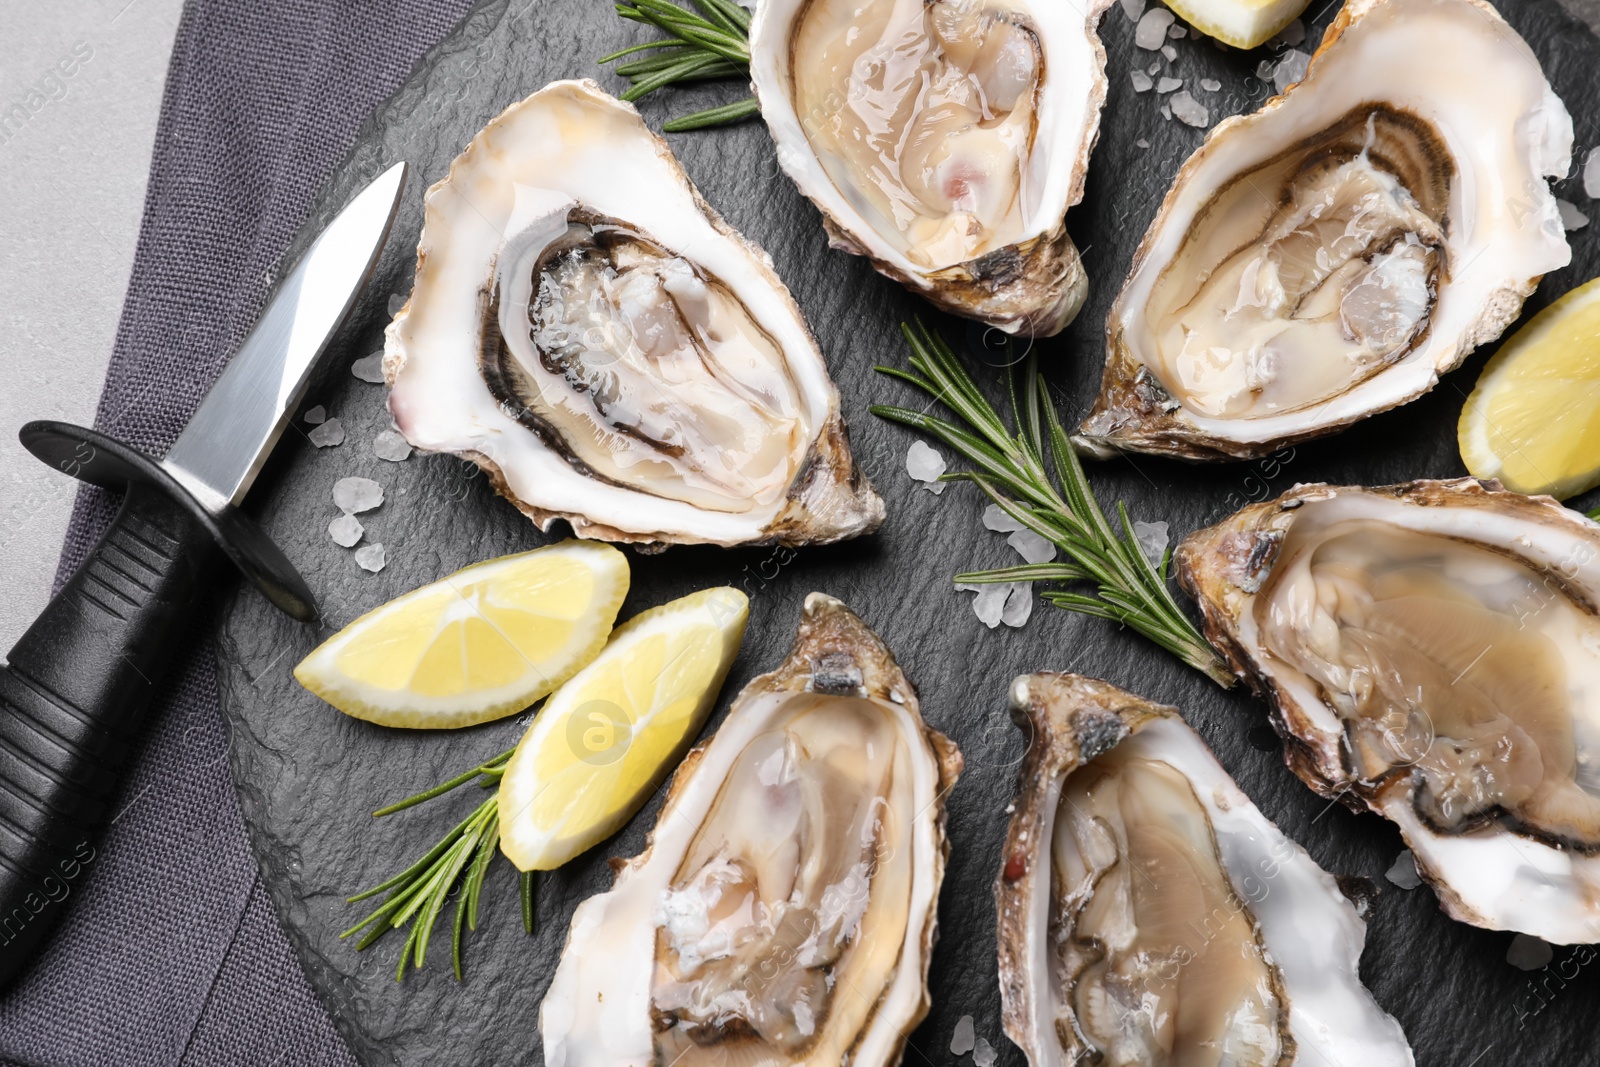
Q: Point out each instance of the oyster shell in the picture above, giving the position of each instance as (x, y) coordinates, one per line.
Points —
(593, 335)
(1150, 914)
(944, 141)
(716, 947)
(1431, 652)
(1331, 255)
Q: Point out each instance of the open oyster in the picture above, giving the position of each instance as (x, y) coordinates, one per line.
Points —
(1432, 653)
(1150, 914)
(1331, 255)
(589, 332)
(943, 140)
(783, 911)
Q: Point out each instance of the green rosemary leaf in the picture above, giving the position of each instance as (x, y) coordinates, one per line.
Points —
(527, 901)
(713, 116)
(1009, 466)
(713, 43)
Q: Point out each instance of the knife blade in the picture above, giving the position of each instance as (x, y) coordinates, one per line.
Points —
(76, 685)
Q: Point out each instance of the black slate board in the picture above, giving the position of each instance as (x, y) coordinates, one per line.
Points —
(308, 776)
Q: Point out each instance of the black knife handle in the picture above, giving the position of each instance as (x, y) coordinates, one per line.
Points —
(78, 683)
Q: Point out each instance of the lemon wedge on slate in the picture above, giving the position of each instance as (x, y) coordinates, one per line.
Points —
(1534, 420)
(605, 740)
(481, 644)
(1241, 23)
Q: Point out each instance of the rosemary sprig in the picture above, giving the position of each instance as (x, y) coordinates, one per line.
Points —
(418, 894)
(1009, 465)
(713, 44)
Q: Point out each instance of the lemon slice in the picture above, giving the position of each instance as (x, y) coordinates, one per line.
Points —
(605, 739)
(481, 644)
(1241, 23)
(1534, 420)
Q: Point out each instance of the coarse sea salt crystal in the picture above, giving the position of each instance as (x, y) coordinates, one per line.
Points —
(1177, 33)
(1292, 34)
(1166, 112)
(316, 415)
(1031, 547)
(1142, 143)
(369, 368)
(1152, 538)
(996, 519)
(328, 434)
(925, 464)
(1290, 69)
(1133, 9)
(961, 1039)
(1528, 953)
(990, 603)
(1571, 217)
(1152, 30)
(354, 495)
(396, 302)
(391, 446)
(1190, 110)
(1265, 68)
(1210, 85)
(1167, 85)
(1591, 173)
(370, 558)
(1403, 871)
(1019, 605)
(1141, 81)
(1170, 52)
(345, 530)
(983, 1054)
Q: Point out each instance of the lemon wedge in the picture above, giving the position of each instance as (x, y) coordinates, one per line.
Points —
(606, 738)
(1241, 23)
(481, 644)
(1534, 419)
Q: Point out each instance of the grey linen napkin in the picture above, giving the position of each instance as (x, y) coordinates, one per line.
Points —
(171, 954)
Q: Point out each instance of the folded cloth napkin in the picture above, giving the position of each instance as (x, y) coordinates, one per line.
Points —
(171, 955)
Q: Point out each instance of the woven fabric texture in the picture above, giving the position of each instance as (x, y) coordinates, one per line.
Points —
(171, 955)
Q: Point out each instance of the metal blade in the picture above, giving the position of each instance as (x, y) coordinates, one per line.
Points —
(224, 446)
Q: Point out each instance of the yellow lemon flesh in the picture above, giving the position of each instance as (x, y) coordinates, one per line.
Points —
(1241, 23)
(1534, 420)
(606, 738)
(481, 644)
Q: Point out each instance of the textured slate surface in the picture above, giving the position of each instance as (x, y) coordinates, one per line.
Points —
(308, 776)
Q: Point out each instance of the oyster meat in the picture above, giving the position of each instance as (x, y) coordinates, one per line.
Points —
(943, 140)
(784, 909)
(1432, 654)
(1149, 914)
(1331, 255)
(589, 332)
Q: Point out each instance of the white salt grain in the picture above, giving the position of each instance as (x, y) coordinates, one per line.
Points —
(1031, 547)
(1210, 85)
(1142, 143)
(995, 518)
(1152, 538)
(1292, 34)
(354, 495)
(1141, 81)
(1170, 52)
(369, 368)
(1177, 33)
(1528, 953)
(1591, 173)
(1403, 872)
(984, 1054)
(1264, 69)
(1291, 69)
(1166, 112)
(1571, 217)
(345, 530)
(961, 1039)
(316, 415)
(390, 446)
(396, 302)
(1133, 9)
(1167, 85)
(328, 434)
(1190, 110)
(925, 464)
(370, 558)
(990, 603)
(1019, 605)
(1152, 28)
